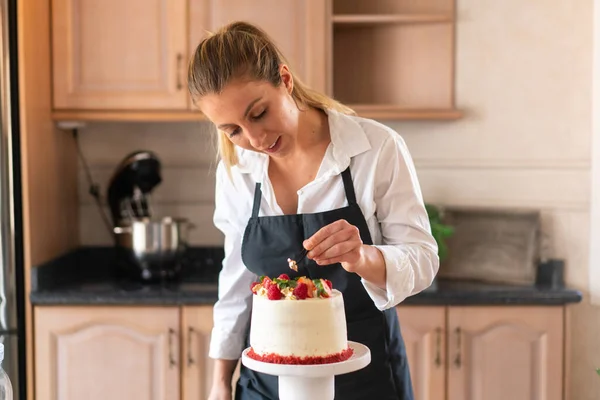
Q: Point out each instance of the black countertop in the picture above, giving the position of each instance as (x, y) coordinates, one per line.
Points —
(91, 276)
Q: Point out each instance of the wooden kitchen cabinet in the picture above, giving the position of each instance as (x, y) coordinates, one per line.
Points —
(123, 353)
(119, 61)
(119, 55)
(99, 353)
(196, 326)
(485, 352)
(498, 353)
(298, 27)
(128, 60)
(424, 332)
(454, 352)
(197, 323)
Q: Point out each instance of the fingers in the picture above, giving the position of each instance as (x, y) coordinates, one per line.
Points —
(349, 257)
(336, 242)
(324, 233)
(324, 248)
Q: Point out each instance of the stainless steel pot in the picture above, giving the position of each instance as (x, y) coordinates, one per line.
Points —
(155, 246)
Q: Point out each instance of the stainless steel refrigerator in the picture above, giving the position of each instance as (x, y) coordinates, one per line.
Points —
(12, 321)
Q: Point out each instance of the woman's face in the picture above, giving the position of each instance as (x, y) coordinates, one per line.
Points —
(255, 115)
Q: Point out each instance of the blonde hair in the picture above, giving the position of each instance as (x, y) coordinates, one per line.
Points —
(241, 49)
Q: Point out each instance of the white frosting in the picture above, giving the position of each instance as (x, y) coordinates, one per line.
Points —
(302, 328)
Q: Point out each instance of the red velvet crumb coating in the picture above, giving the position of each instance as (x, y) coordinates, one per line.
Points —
(277, 359)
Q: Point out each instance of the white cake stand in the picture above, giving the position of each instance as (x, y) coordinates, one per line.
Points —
(314, 382)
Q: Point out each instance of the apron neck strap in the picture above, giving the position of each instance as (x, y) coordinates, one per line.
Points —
(349, 186)
(257, 197)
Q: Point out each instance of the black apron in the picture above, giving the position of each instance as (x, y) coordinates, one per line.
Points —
(267, 244)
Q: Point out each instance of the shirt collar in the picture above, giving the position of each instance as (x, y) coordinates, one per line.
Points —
(348, 139)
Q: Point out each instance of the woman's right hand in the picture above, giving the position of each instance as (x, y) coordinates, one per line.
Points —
(220, 392)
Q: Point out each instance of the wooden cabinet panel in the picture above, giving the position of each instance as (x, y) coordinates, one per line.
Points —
(423, 330)
(106, 353)
(197, 323)
(299, 27)
(119, 55)
(498, 353)
(197, 372)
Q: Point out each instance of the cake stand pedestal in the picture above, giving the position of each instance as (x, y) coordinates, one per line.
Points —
(314, 382)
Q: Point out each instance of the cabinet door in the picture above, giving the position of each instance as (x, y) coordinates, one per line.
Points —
(499, 353)
(299, 28)
(423, 330)
(99, 353)
(119, 55)
(197, 323)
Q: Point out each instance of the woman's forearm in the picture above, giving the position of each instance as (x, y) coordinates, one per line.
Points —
(223, 372)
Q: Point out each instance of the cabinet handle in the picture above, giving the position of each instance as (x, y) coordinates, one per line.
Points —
(172, 361)
(190, 358)
(458, 359)
(438, 347)
(179, 69)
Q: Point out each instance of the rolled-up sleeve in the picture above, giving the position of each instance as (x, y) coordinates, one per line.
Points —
(231, 312)
(408, 247)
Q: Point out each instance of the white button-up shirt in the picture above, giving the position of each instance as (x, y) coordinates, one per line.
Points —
(387, 191)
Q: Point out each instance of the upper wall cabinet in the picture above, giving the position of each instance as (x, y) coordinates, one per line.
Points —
(119, 55)
(298, 27)
(127, 60)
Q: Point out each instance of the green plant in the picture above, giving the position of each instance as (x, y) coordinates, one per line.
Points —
(598, 371)
(439, 230)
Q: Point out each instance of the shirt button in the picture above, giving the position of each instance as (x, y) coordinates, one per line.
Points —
(300, 192)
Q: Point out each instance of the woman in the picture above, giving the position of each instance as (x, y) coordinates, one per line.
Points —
(296, 170)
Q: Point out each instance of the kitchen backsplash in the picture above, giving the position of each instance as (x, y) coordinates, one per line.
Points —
(187, 153)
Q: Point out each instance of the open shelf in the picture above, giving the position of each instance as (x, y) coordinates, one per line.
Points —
(394, 59)
(391, 7)
(353, 19)
(408, 66)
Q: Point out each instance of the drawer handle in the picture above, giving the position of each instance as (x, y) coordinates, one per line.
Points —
(190, 358)
(172, 361)
(458, 358)
(438, 347)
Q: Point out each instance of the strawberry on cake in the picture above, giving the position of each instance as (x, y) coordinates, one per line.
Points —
(297, 321)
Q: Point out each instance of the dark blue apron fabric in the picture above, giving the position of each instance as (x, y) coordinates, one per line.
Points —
(267, 244)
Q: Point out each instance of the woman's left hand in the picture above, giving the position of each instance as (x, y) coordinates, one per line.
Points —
(338, 242)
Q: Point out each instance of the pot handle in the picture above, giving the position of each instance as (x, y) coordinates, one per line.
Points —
(120, 230)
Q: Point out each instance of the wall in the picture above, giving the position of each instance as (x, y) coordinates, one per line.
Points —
(595, 167)
(524, 75)
(524, 79)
